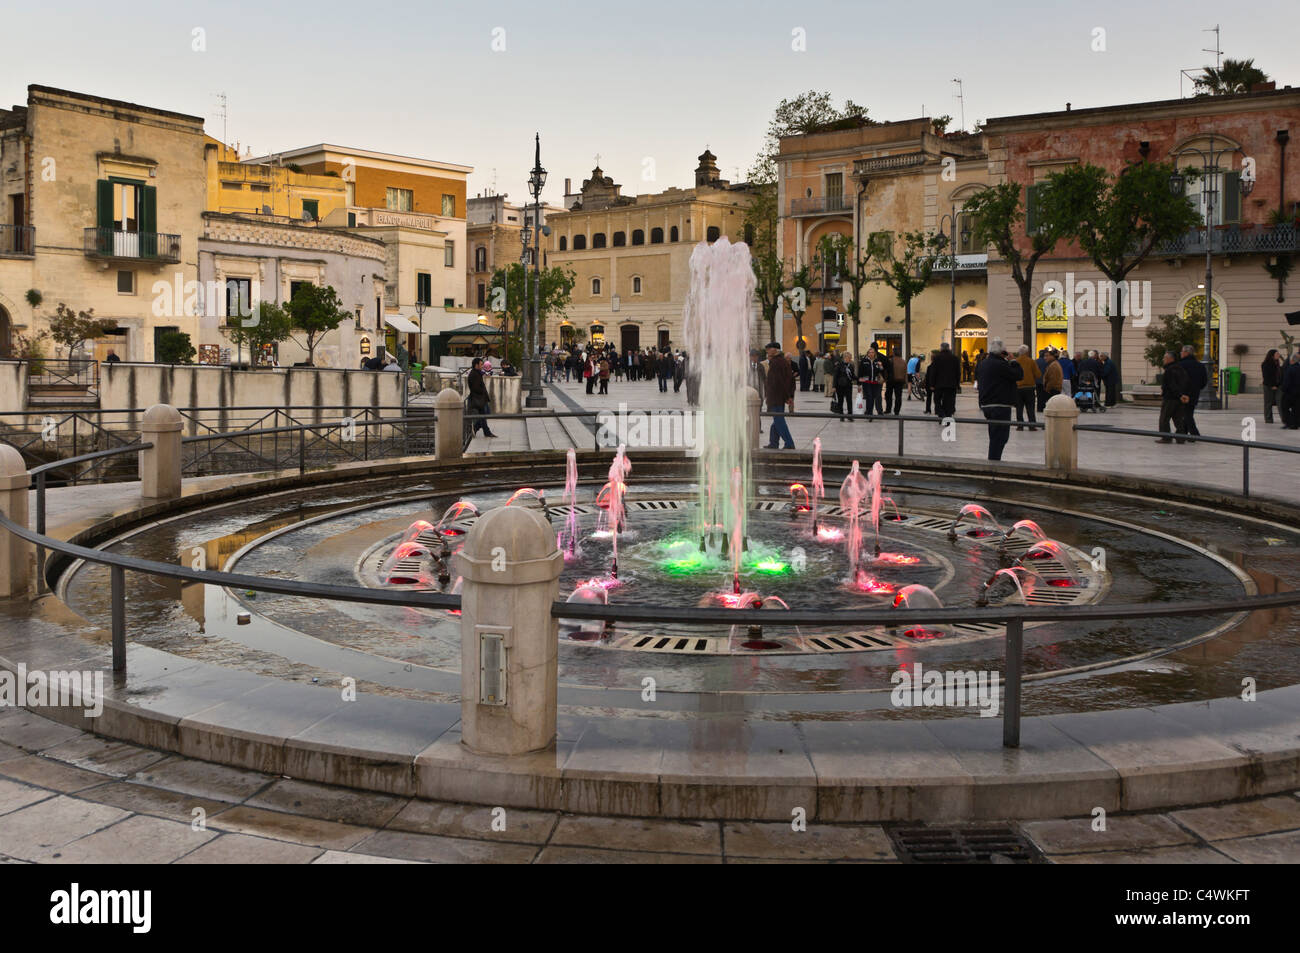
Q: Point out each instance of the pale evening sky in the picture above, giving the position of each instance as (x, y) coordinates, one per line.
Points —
(630, 81)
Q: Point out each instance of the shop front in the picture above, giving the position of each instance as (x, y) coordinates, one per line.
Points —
(1051, 325)
(972, 332)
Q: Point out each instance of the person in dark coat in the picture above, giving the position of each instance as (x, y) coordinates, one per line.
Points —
(947, 378)
(1290, 390)
(997, 378)
(1197, 379)
(665, 367)
(842, 380)
(779, 394)
(1110, 378)
(478, 397)
(871, 375)
(1174, 397)
(805, 369)
(1271, 371)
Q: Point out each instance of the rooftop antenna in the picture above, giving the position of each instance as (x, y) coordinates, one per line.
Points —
(1194, 75)
(221, 111)
(1218, 53)
(961, 99)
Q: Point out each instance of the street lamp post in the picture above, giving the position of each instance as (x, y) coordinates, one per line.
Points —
(536, 180)
(952, 273)
(1209, 164)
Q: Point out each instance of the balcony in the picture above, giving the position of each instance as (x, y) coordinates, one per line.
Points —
(109, 244)
(904, 160)
(820, 205)
(17, 241)
(1232, 240)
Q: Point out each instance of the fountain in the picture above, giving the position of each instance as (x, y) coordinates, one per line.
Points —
(983, 523)
(567, 539)
(853, 491)
(1049, 550)
(921, 597)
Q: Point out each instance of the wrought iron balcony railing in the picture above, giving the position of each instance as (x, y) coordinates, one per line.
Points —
(17, 240)
(820, 205)
(149, 246)
(1233, 240)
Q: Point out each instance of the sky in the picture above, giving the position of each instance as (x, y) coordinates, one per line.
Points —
(646, 86)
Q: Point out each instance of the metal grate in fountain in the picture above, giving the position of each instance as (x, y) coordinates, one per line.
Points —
(962, 845)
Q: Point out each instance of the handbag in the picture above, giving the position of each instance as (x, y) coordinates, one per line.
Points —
(859, 404)
(835, 405)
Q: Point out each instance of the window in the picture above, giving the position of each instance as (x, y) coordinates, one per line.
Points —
(595, 287)
(620, 239)
(966, 243)
(1218, 194)
(311, 207)
(126, 282)
(880, 245)
(399, 200)
(352, 219)
(564, 243)
(449, 302)
(423, 287)
(580, 242)
(294, 286)
(638, 237)
(123, 211)
(1033, 198)
(480, 258)
(482, 295)
(449, 255)
(672, 234)
(449, 205)
(712, 234)
(598, 240)
(834, 188)
(126, 214)
(656, 236)
(749, 235)
(636, 284)
(239, 293)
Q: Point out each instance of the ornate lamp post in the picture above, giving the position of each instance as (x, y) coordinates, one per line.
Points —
(1209, 166)
(952, 271)
(536, 180)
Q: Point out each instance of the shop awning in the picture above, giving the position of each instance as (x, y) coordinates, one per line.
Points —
(399, 323)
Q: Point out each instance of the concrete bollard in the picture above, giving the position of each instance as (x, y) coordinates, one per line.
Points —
(511, 567)
(160, 467)
(754, 405)
(17, 559)
(449, 425)
(1061, 446)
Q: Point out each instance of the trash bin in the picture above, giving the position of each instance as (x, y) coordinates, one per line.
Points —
(1234, 380)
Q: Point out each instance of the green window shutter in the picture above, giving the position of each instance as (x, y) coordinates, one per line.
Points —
(104, 204)
(149, 209)
(1031, 209)
(1231, 197)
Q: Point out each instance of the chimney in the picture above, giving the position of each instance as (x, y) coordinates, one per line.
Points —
(568, 186)
(1067, 107)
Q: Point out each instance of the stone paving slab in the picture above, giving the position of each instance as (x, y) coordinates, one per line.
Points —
(1264, 816)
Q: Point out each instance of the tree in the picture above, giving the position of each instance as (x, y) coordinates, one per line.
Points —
(1173, 331)
(908, 273)
(1234, 76)
(72, 329)
(269, 324)
(796, 299)
(513, 288)
(174, 347)
(1117, 220)
(851, 268)
(998, 215)
(763, 223)
(315, 311)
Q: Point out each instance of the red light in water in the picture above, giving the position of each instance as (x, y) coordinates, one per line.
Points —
(1038, 554)
(870, 584)
(453, 532)
(898, 559)
(979, 532)
(829, 533)
(1061, 583)
(923, 633)
(409, 549)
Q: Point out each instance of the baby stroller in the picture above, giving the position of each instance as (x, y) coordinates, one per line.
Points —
(1087, 393)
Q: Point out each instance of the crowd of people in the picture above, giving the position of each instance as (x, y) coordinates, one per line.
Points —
(596, 365)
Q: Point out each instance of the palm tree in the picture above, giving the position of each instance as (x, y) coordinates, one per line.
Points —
(1234, 76)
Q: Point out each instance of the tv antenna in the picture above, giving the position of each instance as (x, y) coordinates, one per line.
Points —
(221, 111)
(961, 101)
(1195, 75)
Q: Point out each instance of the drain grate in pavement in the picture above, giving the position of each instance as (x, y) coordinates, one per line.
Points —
(962, 845)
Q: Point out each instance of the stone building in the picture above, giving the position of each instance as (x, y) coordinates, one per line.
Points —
(494, 232)
(872, 182)
(101, 202)
(631, 254)
(1251, 227)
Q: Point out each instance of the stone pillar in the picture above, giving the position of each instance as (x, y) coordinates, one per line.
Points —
(449, 425)
(160, 468)
(511, 567)
(1061, 448)
(754, 403)
(17, 562)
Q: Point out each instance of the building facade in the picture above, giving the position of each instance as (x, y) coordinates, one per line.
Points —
(102, 201)
(872, 183)
(1251, 225)
(495, 231)
(630, 255)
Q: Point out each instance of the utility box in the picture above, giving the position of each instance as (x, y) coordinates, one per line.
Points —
(492, 666)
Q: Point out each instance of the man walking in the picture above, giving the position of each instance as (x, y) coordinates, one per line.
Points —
(478, 397)
(779, 387)
(1290, 391)
(1052, 378)
(665, 368)
(947, 378)
(805, 368)
(870, 376)
(1197, 378)
(998, 379)
(1027, 389)
(1110, 377)
(1067, 373)
(897, 381)
(1174, 386)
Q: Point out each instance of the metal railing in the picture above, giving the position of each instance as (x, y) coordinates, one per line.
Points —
(1014, 617)
(67, 374)
(820, 205)
(902, 160)
(1233, 240)
(17, 240)
(111, 243)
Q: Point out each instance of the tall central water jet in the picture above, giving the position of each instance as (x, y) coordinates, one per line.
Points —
(717, 317)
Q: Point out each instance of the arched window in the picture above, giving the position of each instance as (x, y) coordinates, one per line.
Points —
(482, 295)
(638, 237)
(712, 234)
(656, 236)
(480, 258)
(672, 234)
(636, 284)
(620, 239)
(595, 287)
(579, 242)
(598, 240)
(564, 243)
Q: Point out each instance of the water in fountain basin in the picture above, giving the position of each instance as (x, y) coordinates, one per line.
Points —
(853, 491)
(568, 538)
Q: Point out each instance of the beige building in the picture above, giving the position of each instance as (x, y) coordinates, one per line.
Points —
(494, 230)
(872, 183)
(631, 254)
(101, 202)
